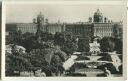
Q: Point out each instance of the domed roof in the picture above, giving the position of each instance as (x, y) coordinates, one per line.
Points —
(40, 15)
(98, 12)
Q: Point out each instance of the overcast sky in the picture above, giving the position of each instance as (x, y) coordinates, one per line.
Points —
(24, 13)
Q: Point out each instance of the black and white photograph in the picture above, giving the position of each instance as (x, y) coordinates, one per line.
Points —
(0, 35)
(64, 40)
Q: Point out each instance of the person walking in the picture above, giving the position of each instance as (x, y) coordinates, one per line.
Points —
(107, 72)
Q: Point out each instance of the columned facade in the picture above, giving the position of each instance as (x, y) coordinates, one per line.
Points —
(103, 29)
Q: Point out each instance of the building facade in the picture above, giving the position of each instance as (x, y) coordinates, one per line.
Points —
(102, 26)
(98, 17)
(98, 25)
(103, 29)
(55, 27)
(27, 27)
(23, 27)
(11, 27)
(80, 29)
(43, 25)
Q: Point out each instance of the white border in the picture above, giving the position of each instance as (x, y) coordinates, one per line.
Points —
(4, 3)
(3, 42)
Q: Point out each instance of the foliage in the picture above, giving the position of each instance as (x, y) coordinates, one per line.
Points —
(109, 66)
(83, 45)
(17, 62)
(107, 44)
(66, 41)
(105, 57)
(29, 41)
(59, 38)
(119, 46)
(15, 37)
(57, 61)
(70, 47)
(120, 69)
(49, 59)
(45, 36)
(111, 44)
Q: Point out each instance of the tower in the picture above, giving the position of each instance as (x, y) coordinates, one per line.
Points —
(40, 19)
(40, 24)
(98, 17)
(46, 24)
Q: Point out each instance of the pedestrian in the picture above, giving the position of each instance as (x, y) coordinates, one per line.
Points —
(107, 72)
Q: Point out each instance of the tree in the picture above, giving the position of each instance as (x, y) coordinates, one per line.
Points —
(67, 42)
(111, 44)
(17, 62)
(107, 44)
(59, 39)
(15, 37)
(57, 62)
(83, 45)
(119, 46)
(48, 59)
(70, 47)
(45, 36)
(40, 58)
(29, 41)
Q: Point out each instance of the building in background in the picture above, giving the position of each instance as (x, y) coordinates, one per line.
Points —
(55, 27)
(103, 29)
(98, 16)
(82, 30)
(102, 26)
(97, 26)
(43, 25)
(23, 27)
(27, 27)
(10, 28)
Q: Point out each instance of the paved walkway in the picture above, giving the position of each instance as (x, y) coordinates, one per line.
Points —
(90, 72)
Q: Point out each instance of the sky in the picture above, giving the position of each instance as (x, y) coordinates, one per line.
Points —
(24, 13)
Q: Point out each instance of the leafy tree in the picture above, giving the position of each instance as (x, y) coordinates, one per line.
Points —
(15, 37)
(83, 45)
(107, 44)
(17, 62)
(59, 39)
(29, 41)
(70, 47)
(45, 36)
(120, 69)
(44, 58)
(119, 46)
(66, 41)
(111, 44)
(57, 61)
(38, 60)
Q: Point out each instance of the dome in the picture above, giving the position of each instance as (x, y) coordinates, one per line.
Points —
(40, 18)
(40, 15)
(98, 17)
(98, 12)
